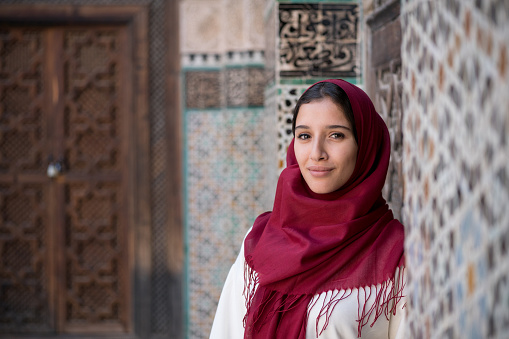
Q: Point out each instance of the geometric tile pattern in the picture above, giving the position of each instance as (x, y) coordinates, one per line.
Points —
(244, 85)
(230, 179)
(203, 89)
(230, 170)
(455, 76)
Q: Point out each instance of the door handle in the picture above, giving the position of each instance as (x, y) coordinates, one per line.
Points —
(55, 168)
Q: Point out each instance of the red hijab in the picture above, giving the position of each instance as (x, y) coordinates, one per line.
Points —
(312, 243)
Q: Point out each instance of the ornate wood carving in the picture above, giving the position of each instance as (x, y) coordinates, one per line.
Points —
(67, 93)
(94, 242)
(94, 265)
(24, 285)
(23, 252)
(22, 125)
(91, 87)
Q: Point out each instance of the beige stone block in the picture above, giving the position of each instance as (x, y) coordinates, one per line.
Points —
(255, 28)
(368, 6)
(244, 27)
(234, 19)
(201, 26)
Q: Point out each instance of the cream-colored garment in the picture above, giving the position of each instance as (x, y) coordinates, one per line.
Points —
(228, 322)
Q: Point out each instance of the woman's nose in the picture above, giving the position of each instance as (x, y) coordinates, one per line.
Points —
(318, 151)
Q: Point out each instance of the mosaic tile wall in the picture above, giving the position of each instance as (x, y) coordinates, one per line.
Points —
(230, 176)
(455, 71)
(230, 144)
(226, 189)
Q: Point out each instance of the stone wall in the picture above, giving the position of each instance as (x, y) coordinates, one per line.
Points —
(455, 75)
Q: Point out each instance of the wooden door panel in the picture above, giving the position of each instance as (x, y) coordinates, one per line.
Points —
(23, 132)
(24, 285)
(24, 200)
(92, 95)
(94, 284)
(95, 281)
(64, 266)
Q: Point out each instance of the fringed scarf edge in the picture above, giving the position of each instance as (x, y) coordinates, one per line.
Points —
(388, 295)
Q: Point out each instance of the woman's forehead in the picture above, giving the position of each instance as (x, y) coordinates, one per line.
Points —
(319, 110)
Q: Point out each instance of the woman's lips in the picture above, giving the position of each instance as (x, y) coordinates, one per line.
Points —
(319, 171)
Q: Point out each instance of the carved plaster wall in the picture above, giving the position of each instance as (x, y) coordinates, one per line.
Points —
(382, 48)
(314, 41)
(318, 40)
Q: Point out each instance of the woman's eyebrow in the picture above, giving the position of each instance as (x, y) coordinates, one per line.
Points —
(328, 127)
(338, 126)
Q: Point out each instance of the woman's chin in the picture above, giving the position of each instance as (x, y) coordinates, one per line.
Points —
(318, 189)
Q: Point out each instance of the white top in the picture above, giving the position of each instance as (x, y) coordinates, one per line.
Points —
(228, 322)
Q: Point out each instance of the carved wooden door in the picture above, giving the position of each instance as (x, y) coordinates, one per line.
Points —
(64, 122)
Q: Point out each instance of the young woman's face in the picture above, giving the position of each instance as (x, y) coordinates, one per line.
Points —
(325, 146)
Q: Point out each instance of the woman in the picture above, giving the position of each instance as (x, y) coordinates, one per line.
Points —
(328, 260)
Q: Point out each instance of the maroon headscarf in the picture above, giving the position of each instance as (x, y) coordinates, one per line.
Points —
(312, 243)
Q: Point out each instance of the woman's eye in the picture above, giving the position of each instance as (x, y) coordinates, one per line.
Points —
(304, 136)
(337, 135)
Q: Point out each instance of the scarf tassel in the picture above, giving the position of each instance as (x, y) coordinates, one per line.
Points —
(387, 297)
(286, 302)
